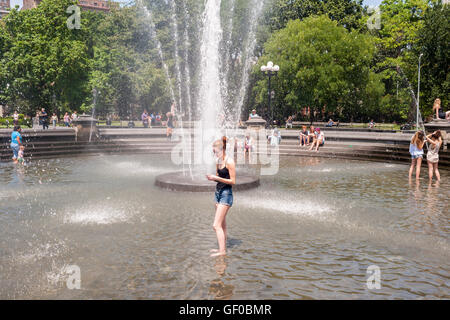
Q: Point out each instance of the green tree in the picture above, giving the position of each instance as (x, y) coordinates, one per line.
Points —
(433, 43)
(322, 65)
(43, 62)
(401, 21)
(346, 12)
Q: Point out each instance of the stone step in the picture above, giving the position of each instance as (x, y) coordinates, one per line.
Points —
(337, 153)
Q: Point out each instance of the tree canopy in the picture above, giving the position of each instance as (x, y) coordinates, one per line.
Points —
(137, 60)
(322, 65)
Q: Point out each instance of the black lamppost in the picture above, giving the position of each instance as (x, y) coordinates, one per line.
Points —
(418, 95)
(270, 70)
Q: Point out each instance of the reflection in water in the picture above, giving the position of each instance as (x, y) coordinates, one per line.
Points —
(429, 207)
(218, 288)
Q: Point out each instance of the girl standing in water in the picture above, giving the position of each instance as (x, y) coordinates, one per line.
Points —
(416, 151)
(435, 141)
(225, 178)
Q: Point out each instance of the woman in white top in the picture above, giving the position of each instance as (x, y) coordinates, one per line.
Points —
(435, 141)
(319, 140)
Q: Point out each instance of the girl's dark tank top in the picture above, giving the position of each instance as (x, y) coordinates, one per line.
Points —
(225, 174)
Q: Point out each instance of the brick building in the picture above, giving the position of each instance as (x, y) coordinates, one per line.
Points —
(94, 5)
(4, 7)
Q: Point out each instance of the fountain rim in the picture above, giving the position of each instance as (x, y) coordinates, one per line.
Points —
(167, 181)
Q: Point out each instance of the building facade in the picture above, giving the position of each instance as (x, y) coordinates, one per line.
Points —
(94, 5)
(4, 7)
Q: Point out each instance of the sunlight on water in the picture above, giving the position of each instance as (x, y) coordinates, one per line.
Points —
(310, 231)
(100, 215)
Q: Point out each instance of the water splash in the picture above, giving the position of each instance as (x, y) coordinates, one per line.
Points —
(158, 46)
(187, 72)
(250, 60)
(174, 18)
(210, 103)
(96, 215)
(227, 44)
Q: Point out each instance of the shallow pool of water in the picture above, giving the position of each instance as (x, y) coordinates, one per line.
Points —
(309, 232)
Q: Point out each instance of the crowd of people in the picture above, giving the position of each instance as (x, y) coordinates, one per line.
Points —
(151, 119)
(312, 138)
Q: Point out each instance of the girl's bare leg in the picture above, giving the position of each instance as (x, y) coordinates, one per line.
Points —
(418, 167)
(317, 146)
(312, 145)
(224, 227)
(214, 250)
(430, 170)
(221, 213)
(436, 171)
(411, 168)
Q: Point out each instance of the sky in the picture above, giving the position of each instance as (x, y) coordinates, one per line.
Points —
(371, 3)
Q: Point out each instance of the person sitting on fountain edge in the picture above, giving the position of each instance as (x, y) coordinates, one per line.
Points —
(440, 114)
(253, 114)
(319, 140)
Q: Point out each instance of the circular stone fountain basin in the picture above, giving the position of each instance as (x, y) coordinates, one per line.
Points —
(179, 181)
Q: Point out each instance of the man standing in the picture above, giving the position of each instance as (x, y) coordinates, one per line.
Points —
(144, 118)
(43, 117)
(152, 119)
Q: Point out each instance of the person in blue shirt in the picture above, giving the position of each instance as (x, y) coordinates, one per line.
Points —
(16, 142)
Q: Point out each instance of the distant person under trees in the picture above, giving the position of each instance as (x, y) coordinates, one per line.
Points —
(74, 116)
(15, 118)
(289, 122)
(145, 118)
(331, 123)
(43, 119)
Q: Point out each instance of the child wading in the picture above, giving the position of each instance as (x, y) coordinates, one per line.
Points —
(435, 142)
(225, 178)
(416, 151)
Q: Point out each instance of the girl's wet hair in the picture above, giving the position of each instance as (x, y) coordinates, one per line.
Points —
(436, 135)
(418, 138)
(222, 144)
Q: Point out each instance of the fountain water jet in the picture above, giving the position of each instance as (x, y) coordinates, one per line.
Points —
(158, 46)
(211, 107)
(256, 13)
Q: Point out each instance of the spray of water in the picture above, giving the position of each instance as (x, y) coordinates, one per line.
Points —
(420, 123)
(227, 45)
(158, 46)
(187, 73)
(258, 6)
(210, 98)
(177, 54)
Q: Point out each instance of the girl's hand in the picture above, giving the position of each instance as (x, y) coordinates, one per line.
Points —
(211, 177)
